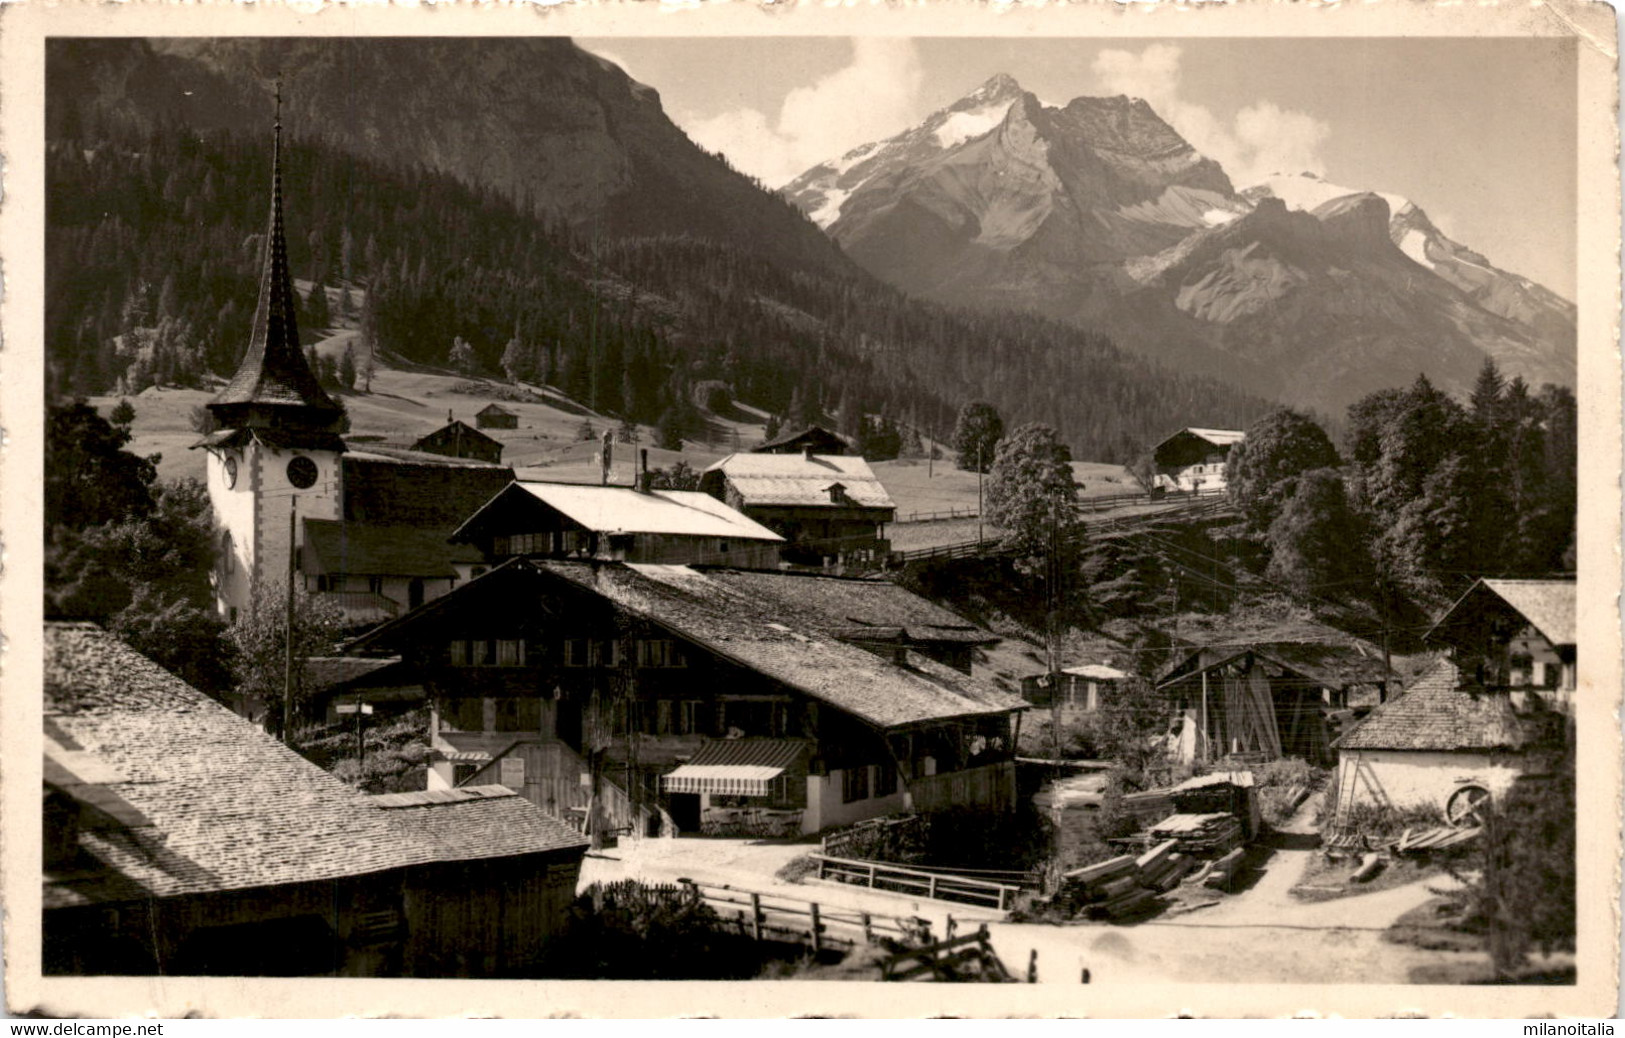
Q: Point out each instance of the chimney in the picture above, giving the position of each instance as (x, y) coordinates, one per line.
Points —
(643, 470)
(450, 416)
(807, 451)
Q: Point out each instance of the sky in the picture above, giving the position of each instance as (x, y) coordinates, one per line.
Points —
(1481, 133)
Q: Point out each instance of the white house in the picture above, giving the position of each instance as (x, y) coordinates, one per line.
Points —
(1193, 459)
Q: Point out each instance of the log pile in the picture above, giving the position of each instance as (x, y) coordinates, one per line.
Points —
(1109, 889)
(1201, 836)
(1162, 867)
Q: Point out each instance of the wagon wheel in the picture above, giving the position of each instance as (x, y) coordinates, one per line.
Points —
(1465, 806)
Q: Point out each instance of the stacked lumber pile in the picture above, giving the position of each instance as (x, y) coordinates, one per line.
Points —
(1105, 890)
(1149, 807)
(1201, 836)
(1162, 867)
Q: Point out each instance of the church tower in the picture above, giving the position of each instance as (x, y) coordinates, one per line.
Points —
(274, 459)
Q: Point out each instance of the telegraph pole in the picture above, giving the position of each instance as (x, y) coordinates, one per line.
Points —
(978, 495)
(287, 669)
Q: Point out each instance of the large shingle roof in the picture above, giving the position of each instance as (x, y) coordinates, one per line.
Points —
(478, 822)
(794, 479)
(851, 605)
(227, 807)
(1440, 712)
(788, 645)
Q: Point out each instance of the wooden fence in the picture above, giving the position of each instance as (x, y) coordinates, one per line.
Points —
(781, 917)
(970, 957)
(903, 879)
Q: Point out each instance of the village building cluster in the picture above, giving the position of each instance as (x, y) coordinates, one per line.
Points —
(626, 661)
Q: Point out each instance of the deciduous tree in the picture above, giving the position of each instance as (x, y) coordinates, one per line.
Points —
(977, 434)
(1262, 471)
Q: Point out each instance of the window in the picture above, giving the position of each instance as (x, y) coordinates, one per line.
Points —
(459, 653)
(659, 652)
(499, 546)
(463, 714)
(691, 716)
(228, 558)
(575, 652)
(519, 714)
(375, 585)
(1552, 676)
(663, 715)
(608, 653)
(722, 547)
(855, 784)
(511, 652)
(461, 773)
(885, 780)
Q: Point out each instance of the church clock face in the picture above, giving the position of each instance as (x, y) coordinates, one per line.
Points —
(302, 472)
(231, 473)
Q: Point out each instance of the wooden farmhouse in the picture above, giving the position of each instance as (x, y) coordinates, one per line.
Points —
(495, 416)
(180, 839)
(572, 520)
(1193, 460)
(668, 698)
(1265, 701)
(458, 440)
(826, 506)
(1515, 635)
(814, 438)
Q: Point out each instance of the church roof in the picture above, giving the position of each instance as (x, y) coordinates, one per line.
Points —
(274, 371)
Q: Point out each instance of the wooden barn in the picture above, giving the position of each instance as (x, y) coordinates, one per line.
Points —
(459, 440)
(1265, 701)
(814, 438)
(495, 416)
(180, 839)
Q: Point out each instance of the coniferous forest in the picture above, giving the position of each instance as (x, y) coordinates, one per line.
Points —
(154, 238)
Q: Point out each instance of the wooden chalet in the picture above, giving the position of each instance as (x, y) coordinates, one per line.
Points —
(826, 506)
(572, 520)
(1193, 460)
(180, 839)
(1265, 701)
(1515, 635)
(458, 440)
(661, 698)
(495, 416)
(814, 439)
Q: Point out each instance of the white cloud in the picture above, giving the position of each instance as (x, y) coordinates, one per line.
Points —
(1262, 139)
(872, 97)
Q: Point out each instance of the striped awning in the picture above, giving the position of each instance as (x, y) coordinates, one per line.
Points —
(734, 767)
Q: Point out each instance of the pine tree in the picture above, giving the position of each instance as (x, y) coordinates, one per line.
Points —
(347, 368)
(976, 436)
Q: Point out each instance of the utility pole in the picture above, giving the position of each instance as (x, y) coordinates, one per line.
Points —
(978, 494)
(287, 670)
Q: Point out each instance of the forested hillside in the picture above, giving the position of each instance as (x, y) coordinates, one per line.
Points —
(154, 237)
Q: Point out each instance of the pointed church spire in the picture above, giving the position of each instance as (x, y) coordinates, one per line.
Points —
(274, 386)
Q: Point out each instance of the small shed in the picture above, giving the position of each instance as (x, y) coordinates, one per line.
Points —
(495, 416)
(1445, 742)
